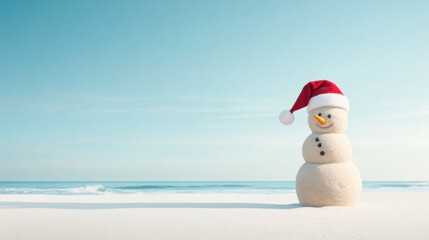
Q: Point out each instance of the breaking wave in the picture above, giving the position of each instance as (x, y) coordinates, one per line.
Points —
(94, 188)
(416, 186)
(90, 189)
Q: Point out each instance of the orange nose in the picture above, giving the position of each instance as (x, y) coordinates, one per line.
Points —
(320, 120)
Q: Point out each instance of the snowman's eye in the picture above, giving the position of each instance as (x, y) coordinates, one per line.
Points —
(319, 114)
(329, 115)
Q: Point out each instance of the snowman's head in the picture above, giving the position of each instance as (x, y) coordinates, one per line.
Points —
(327, 120)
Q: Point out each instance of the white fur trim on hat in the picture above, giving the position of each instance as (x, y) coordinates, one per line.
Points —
(286, 117)
(328, 100)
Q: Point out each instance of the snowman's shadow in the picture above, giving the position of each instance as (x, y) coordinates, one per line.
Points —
(89, 206)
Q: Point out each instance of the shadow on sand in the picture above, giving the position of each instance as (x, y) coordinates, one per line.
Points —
(11, 205)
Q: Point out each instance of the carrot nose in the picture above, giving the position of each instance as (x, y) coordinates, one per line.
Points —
(319, 119)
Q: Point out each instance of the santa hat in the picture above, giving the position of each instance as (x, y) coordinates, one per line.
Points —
(313, 95)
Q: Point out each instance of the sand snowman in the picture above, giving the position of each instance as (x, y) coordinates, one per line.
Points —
(328, 177)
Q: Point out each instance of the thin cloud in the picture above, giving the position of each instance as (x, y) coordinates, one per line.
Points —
(207, 126)
(225, 109)
(401, 112)
(110, 98)
(244, 116)
(409, 143)
(212, 99)
(93, 104)
(271, 140)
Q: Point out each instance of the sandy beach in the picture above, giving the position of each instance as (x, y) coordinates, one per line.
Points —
(210, 216)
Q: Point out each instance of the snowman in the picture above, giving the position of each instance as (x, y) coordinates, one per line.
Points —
(328, 177)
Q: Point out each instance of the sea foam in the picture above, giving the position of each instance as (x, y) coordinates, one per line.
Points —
(251, 187)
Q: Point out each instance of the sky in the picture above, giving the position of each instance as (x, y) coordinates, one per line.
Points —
(191, 90)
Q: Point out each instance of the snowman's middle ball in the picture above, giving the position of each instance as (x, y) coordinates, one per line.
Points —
(327, 148)
(336, 120)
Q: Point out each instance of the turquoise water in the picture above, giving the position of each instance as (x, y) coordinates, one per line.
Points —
(252, 187)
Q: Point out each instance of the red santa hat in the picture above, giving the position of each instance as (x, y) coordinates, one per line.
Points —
(316, 94)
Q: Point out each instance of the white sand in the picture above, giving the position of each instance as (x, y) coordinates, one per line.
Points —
(210, 216)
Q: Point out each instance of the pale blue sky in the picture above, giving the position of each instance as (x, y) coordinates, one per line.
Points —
(191, 90)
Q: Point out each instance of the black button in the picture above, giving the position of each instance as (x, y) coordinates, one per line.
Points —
(317, 139)
(319, 145)
(322, 153)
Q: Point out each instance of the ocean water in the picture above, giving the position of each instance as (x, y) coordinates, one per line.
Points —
(250, 187)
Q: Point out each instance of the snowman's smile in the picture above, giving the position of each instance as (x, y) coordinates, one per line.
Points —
(326, 126)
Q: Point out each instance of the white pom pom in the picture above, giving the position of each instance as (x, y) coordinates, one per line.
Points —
(286, 117)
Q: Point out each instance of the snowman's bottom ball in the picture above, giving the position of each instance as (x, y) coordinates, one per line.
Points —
(335, 184)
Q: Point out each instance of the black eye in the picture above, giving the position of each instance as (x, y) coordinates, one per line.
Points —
(319, 114)
(329, 115)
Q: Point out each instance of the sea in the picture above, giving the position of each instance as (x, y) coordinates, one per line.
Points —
(154, 187)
